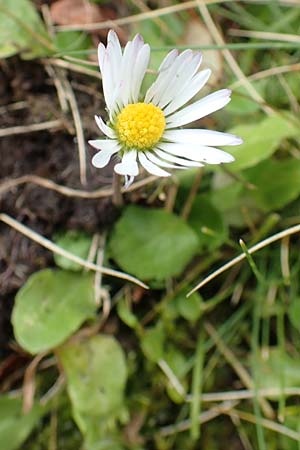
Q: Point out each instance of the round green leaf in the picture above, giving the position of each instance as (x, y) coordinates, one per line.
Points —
(277, 367)
(152, 243)
(189, 308)
(96, 371)
(76, 242)
(17, 17)
(277, 183)
(261, 140)
(153, 341)
(15, 426)
(208, 223)
(50, 307)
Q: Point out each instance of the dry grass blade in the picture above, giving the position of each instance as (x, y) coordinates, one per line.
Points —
(215, 33)
(276, 237)
(273, 71)
(206, 416)
(41, 240)
(159, 12)
(67, 191)
(72, 66)
(237, 366)
(23, 129)
(29, 383)
(269, 424)
(79, 130)
(245, 394)
(266, 35)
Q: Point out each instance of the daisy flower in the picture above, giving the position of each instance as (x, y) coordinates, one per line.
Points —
(147, 131)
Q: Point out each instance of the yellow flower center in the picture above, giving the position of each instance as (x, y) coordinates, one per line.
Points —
(140, 125)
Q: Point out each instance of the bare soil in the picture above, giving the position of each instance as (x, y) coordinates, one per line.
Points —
(28, 96)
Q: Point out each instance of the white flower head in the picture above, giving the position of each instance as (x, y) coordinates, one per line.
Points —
(147, 131)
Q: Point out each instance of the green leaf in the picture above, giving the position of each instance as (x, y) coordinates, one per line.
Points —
(277, 183)
(189, 308)
(17, 18)
(294, 312)
(15, 426)
(279, 369)
(261, 140)
(153, 341)
(76, 242)
(96, 372)
(242, 103)
(68, 41)
(152, 243)
(126, 315)
(50, 307)
(208, 223)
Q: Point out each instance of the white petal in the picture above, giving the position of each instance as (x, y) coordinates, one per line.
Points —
(181, 80)
(166, 76)
(109, 132)
(103, 144)
(168, 60)
(128, 166)
(141, 65)
(175, 159)
(164, 67)
(209, 155)
(150, 167)
(199, 109)
(189, 90)
(127, 68)
(107, 80)
(101, 53)
(102, 158)
(202, 137)
(160, 162)
(115, 53)
(164, 80)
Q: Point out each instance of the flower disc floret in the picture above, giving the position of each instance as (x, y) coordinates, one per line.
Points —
(140, 125)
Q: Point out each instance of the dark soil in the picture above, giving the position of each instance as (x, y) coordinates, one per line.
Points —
(50, 154)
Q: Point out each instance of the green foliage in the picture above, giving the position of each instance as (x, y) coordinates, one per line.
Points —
(152, 342)
(76, 242)
(278, 370)
(15, 426)
(294, 312)
(152, 243)
(72, 41)
(208, 223)
(261, 139)
(276, 182)
(20, 25)
(126, 314)
(50, 307)
(96, 371)
(189, 308)
(170, 359)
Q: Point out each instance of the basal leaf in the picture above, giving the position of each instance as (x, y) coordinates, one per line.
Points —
(152, 243)
(50, 307)
(152, 342)
(17, 18)
(76, 242)
(261, 140)
(208, 223)
(279, 368)
(15, 426)
(96, 372)
(276, 181)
